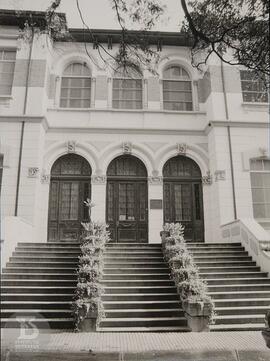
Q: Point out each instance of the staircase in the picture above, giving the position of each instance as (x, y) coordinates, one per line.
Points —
(240, 290)
(39, 280)
(139, 295)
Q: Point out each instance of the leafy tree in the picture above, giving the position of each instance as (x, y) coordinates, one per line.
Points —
(237, 31)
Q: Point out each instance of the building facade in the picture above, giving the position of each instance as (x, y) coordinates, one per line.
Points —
(179, 146)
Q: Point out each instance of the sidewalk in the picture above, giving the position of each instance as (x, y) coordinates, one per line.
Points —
(214, 346)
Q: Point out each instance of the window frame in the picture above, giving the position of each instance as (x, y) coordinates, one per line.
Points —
(2, 60)
(251, 81)
(68, 99)
(262, 187)
(180, 79)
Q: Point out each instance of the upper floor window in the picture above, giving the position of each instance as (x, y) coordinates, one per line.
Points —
(76, 86)
(260, 187)
(177, 89)
(253, 89)
(7, 65)
(127, 89)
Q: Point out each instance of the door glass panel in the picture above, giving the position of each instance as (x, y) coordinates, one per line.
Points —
(178, 202)
(110, 215)
(69, 206)
(197, 201)
(187, 202)
(53, 201)
(167, 203)
(142, 201)
(126, 202)
(130, 202)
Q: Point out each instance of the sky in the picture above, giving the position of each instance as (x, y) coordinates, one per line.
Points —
(97, 13)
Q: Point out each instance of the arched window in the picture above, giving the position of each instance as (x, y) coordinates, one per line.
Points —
(76, 86)
(177, 89)
(127, 89)
(260, 187)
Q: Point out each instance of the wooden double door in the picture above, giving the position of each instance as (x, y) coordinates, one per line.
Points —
(127, 213)
(70, 186)
(183, 204)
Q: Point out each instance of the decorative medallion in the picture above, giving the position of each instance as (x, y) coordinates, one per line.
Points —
(155, 180)
(33, 172)
(99, 179)
(71, 146)
(45, 178)
(127, 147)
(220, 175)
(181, 148)
(207, 179)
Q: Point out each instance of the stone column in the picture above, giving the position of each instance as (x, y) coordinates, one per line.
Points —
(155, 207)
(98, 197)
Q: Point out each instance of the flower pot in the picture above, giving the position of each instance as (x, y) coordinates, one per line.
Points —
(197, 314)
(89, 323)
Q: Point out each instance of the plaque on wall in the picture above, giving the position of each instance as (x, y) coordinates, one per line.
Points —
(156, 204)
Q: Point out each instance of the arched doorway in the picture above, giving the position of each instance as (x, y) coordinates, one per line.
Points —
(127, 200)
(70, 186)
(183, 201)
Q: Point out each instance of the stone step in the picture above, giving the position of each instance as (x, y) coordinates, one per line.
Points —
(45, 254)
(37, 289)
(152, 304)
(49, 250)
(243, 310)
(227, 263)
(143, 322)
(139, 289)
(131, 245)
(40, 276)
(145, 329)
(139, 252)
(36, 305)
(41, 323)
(211, 253)
(131, 259)
(215, 248)
(36, 313)
(147, 265)
(232, 281)
(136, 276)
(140, 297)
(240, 274)
(143, 313)
(69, 260)
(239, 294)
(134, 270)
(222, 258)
(209, 245)
(136, 283)
(215, 269)
(41, 263)
(39, 283)
(42, 270)
(239, 287)
(238, 327)
(36, 296)
(49, 244)
(239, 302)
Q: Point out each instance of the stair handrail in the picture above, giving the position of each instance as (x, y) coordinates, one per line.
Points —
(252, 236)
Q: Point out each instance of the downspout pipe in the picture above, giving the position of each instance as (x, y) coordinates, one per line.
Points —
(23, 123)
(229, 140)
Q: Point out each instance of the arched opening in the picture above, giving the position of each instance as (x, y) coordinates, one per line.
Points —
(70, 185)
(183, 200)
(127, 200)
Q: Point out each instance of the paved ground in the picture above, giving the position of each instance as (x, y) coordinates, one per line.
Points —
(28, 345)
